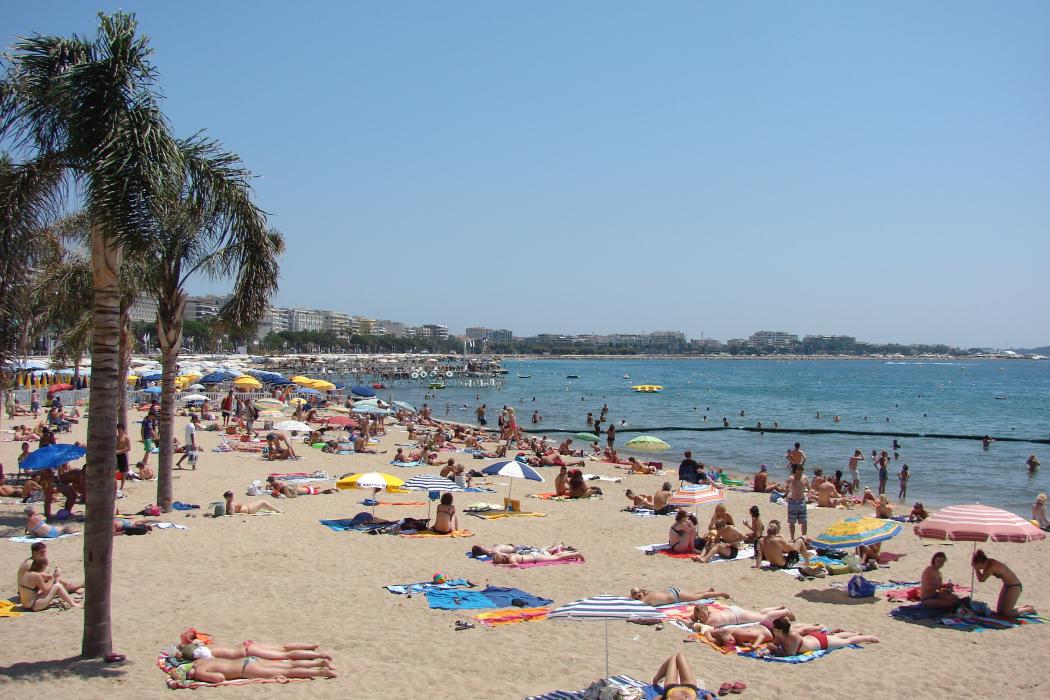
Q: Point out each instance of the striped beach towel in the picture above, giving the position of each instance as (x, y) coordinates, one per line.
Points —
(622, 681)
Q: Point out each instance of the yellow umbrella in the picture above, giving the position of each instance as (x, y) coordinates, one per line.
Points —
(246, 382)
(322, 385)
(297, 401)
(370, 481)
(132, 378)
(301, 380)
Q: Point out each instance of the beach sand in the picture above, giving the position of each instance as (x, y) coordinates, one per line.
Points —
(287, 578)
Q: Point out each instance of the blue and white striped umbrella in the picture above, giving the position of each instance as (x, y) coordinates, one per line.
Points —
(515, 470)
(430, 482)
(605, 608)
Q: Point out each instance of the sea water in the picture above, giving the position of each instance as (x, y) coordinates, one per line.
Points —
(1009, 398)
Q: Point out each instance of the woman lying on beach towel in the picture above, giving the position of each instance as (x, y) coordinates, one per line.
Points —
(679, 681)
(733, 615)
(535, 557)
(234, 507)
(672, 595)
(279, 488)
(792, 642)
(270, 652)
(222, 670)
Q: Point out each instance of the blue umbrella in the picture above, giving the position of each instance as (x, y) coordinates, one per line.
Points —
(152, 390)
(513, 469)
(52, 456)
(310, 391)
(215, 378)
(363, 390)
(151, 377)
(373, 410)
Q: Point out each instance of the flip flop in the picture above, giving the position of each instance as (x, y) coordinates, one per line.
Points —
(725, 689)
(739, 687)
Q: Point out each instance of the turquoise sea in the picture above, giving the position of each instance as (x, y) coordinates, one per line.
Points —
(998, 398)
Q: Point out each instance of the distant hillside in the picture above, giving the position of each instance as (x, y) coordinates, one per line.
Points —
(1045, 350)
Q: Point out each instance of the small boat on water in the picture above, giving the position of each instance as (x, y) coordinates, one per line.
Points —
(435, 385)
(524, 376)
(572, 376)
(626, 376)
(647, 388)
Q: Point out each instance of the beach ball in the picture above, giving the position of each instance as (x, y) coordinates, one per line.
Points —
(439, 578)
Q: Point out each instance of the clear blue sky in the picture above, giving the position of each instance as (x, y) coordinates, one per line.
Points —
(881, 170)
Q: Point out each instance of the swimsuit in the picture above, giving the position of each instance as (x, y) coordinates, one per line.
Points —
(821, 637)
(244, 666)
(687, 686)
(675, 593)
(797, 511)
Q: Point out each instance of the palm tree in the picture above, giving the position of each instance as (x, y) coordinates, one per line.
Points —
(212, 228)
(86, 111)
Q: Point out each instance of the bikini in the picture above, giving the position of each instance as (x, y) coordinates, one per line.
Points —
(688, 686)
(822, 639)
(675, 593)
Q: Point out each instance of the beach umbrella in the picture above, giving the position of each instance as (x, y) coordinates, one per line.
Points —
(52, 456)
(372, 410)
(513, 469)
(269, 404)
(856, 531)
(297, 401)
(361, 390)
(302, 380)
(322, 385)
(196, 387)
(194, 397)
(430, 482)
(405, 406)
(695, 495)
(294, 425)
(307, 390)
(976, 523)
(647, 443)
(132, 379)
(371, 481)
(341, 420)
(215, 378)
(155, 390)
(151, 376)
(604, 608)
(246, 382)
(55, 388)
(587, 437)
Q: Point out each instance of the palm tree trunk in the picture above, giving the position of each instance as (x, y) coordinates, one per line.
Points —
(125, 365)
(102, 446)
(169, 336)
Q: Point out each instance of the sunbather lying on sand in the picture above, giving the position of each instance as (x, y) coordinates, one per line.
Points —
(24, 491)
(733, 615)
(672, 595)
(281, 488)
(479, 551)
(36, 526)
(791, 642)
(535, 557)
(269, 652)
(233, 506)
(639, 468)
(220, 670)
(679, 681)
(775, 548)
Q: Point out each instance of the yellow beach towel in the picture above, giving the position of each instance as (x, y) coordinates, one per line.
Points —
(7, 609)
(509, 514)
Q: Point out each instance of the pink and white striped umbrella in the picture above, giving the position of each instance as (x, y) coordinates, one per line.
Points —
(976, 523)
(695, 495)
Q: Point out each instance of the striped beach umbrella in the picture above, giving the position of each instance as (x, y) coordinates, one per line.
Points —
(856, 531)
(605, 608)
(647, 443)
(430, 483)
(693, 495)
(513, 469)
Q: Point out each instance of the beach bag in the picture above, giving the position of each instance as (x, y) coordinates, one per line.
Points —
(860, 587)
(607, 690)
(217, 509)
(256, 488)
(836, 569)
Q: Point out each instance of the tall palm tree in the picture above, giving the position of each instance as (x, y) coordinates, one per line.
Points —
(211, 228)
(86, 111)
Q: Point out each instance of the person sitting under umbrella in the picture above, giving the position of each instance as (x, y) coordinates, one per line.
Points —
(984, 567)
(673, 596)
(933, 592)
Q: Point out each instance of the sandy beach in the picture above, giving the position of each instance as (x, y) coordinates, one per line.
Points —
(287, 578)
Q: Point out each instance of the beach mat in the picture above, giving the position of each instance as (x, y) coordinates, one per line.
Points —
(431, 533)
(979, 618)
(650, 692)
(500, 514)
(25, 539)
(512, 616)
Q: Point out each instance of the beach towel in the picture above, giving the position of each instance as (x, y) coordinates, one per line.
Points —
(25, 539)
(763, 653)
(431, 533)
(370, 502)
(347, 524)
(406, 464)
(645, 512)
(553, 496)
(170, 526)
(650, 692)
(976, 617)
(512, 616)
(665, 549)
(7, 609)
(500, 514)
(503, 597)
(410, 588)
(903, 592)
(458, 599)
(601, 477)
(179, 505)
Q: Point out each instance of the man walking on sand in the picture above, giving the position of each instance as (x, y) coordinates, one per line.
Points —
(191, 444)
(797, 491)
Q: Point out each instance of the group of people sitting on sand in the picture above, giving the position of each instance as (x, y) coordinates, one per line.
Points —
(936, 594)
(569, 483)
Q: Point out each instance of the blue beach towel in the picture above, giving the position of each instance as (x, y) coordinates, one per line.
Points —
(457, 599)
(406, 464)
(179, 505)
(798, 658)
(502, 597)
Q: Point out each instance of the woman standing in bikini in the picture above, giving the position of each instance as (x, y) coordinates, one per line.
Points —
(1011, 590)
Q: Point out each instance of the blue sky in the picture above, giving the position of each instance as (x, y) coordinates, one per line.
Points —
(881, 170)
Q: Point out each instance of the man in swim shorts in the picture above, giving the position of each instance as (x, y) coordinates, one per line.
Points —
(797, 488)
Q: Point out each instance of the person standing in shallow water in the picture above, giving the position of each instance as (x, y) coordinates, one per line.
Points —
(610, 436)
